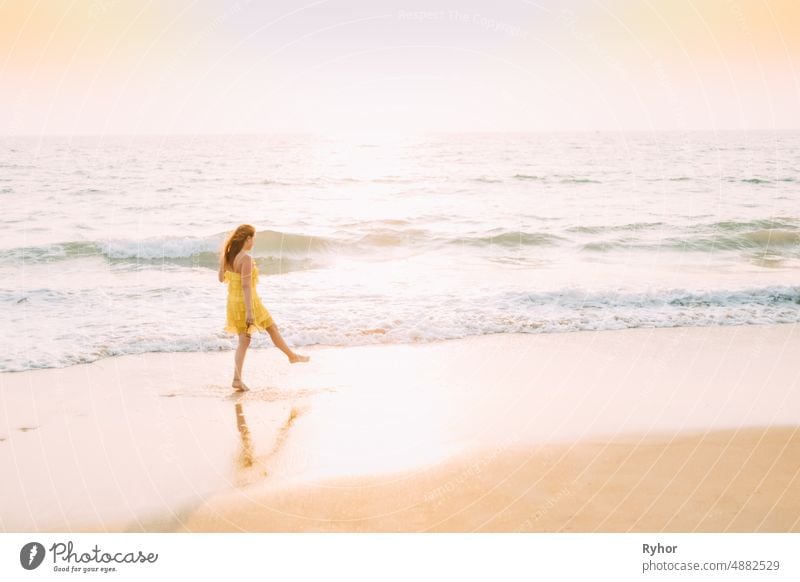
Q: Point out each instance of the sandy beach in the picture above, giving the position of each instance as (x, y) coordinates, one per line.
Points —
(673, 429)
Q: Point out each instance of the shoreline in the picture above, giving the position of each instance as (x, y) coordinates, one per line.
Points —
(159, 442)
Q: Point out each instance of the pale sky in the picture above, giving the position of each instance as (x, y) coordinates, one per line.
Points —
(202, 66)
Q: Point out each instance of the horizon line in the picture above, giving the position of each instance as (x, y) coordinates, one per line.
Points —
(405, 134)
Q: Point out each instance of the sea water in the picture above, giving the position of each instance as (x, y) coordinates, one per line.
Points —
(109, 243)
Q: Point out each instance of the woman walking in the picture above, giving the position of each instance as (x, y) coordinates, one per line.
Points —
(246, 313)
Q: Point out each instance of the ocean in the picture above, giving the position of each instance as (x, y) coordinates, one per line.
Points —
(109, 243)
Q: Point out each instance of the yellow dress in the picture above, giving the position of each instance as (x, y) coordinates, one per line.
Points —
(236, 312)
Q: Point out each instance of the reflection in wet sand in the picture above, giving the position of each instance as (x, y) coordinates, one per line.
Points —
(246, 456)
(254, 467)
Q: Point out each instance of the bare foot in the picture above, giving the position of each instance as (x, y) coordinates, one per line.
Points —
(295, 358)
(240, 386)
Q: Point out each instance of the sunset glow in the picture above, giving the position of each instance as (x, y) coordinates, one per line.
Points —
(119, 66)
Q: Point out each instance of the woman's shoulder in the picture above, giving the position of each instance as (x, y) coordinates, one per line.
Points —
(239, 260)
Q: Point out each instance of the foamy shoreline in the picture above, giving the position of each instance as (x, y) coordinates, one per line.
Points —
(689, 417)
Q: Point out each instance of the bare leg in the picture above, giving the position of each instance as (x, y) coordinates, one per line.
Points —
(277, 339)
(241, 350)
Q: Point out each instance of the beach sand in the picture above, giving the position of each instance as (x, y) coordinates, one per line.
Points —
(676, 429)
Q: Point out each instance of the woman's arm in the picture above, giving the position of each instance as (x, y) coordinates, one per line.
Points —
(221, 274)
(247, 272)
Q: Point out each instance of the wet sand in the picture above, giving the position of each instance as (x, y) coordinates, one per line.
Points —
(679, 429)
(720, 481)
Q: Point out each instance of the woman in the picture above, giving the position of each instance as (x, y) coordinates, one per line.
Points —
(246, 313)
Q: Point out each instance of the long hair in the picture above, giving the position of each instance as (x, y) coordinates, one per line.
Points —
(234, 243)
